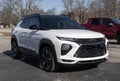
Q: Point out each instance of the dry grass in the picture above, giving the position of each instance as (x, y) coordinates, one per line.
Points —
(6, 33)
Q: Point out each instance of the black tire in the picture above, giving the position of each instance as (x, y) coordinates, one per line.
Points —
(47, 60)
(15, 51)
(118, 39)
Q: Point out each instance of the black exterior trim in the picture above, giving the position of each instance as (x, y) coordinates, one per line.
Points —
(13, 37)
(92, 62)
(82, 63)
(48, 42)
(27, 51)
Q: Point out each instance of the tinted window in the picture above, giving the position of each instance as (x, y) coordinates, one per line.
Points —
(35, 21)
(30, 21)
(25, 23)
(59, 22)
(106, 21)
(95, 21)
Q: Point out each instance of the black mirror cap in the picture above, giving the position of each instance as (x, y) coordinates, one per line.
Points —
(34, 27)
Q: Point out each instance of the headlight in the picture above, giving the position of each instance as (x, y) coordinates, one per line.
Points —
(67, 39)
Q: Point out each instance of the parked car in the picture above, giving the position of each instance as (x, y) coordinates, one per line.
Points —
(57, 40)
(110, 27)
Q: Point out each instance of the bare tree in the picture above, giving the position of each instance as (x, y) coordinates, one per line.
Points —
(96, 8)
(111, 8)
(13, 10)
(51, 11)
(7, 9)
(80, 11)
(27, 7)
(76, 9)
(105, 8)
(68, 5)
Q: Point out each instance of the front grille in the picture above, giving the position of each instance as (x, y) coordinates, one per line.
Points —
(90, 41)
(86, 51)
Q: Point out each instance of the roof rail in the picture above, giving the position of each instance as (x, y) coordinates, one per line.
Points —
(36, 14)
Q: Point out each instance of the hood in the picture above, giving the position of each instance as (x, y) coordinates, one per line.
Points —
(76, 33)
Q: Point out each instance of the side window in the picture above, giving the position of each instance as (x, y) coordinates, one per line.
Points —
(106, 22)
(68, 24)
(95, 21)
(35, 21)
(25, 23)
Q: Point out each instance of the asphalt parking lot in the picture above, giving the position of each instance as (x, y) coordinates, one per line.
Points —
(26, 68)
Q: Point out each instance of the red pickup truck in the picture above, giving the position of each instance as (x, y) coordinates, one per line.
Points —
(110, 27)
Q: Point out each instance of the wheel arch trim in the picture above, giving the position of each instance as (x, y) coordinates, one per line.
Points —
(50, 43)
(13, 37)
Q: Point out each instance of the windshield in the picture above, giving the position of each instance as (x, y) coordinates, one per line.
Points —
(117, 21)
(59, 22)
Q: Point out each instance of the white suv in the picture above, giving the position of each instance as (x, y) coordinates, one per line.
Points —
(58, 40)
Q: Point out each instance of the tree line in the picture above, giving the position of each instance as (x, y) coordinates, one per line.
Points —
(80, 10)
(13, 10)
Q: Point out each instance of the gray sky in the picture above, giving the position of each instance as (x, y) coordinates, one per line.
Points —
(48, 4)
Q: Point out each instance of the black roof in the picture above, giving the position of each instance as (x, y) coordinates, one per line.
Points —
(43, 16)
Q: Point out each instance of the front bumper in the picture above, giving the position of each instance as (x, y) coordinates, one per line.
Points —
(70, 57)
(74, 60)
(92, 61)
(82, 63)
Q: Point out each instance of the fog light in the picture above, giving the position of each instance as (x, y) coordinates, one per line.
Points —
(65, 48)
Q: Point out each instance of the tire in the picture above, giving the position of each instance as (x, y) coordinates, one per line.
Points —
(47, 60)
(15, 51)
(118, 39)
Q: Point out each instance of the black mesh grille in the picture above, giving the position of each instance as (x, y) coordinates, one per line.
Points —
(86, 51)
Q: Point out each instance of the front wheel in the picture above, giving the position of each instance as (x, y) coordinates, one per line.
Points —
(47, 60)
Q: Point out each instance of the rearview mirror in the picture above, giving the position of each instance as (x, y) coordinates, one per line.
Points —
(34, 27)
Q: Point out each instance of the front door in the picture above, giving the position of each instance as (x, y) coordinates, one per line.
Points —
(33, 35)
(108, 29)
(95, 25)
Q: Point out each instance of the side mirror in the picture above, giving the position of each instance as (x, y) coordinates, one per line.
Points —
(111, 24)
(34, 27)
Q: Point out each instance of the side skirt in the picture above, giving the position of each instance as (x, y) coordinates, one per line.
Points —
(28, 51)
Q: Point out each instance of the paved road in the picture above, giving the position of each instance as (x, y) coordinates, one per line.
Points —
(26, 68)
